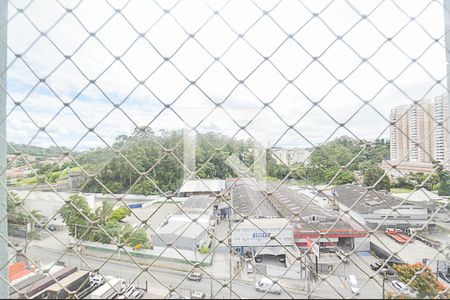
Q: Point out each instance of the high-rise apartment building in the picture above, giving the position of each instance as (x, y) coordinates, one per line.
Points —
(420, 131)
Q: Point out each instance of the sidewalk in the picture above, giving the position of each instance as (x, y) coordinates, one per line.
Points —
(60, 243)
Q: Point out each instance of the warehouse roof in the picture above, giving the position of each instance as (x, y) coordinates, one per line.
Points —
(197, 205)
(422, 195)
(366, 201)
(249, 200)
(289, 202)
(203, 186)
(177, 225)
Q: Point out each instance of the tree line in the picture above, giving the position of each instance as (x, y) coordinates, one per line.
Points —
(152, 162)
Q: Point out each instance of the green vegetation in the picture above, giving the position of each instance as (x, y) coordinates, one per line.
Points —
(374, 176)
(400, 190)
(205, 246)
(48, 174)
(105, 225)
(152, 162)
(438, 181)
(164, 170)
(424, 283)
(35, 150)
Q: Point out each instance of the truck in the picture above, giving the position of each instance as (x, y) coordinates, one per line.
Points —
(421, 237)
(74, 282)
(24, 284)
(398, 236)
(42, 284)
(108, 290)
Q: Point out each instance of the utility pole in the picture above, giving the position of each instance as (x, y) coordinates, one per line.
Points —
(4, 290)
(210, 287)
(231, 258)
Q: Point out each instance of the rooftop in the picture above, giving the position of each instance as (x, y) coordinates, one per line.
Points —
(367, 201)
(249, 200)
(203, 186)
(197, 205)
(181, 225)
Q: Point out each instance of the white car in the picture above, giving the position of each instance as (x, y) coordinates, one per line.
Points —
(267, 285)
(401, 287)
(353, 283)
(250, 269)
(198, 295)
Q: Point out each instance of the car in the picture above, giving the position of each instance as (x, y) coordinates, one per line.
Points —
(282, 259)
(195, 276)
(445, 277)
(401, 287)
(375, 266)
(267, 285)
(341, 256)
(198, 295)
(353, 283)
(258, 259)
(97, 279)
(250, 269)
(388, 271)
(51, 227)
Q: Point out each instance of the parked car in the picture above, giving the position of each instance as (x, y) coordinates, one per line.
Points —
(341, 256)
(282, 259)
(198, 295)
(401, 287)
(375, 266)
(195, 276)
(258, 259)
(97, 279)
(267, 285)
(353, 283)
(250, 269)
(445, 277)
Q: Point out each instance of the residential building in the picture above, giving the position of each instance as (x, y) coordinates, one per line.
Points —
(291, 156)
(420, 131)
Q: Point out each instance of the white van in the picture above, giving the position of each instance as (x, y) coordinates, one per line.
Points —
(353, 283)
(266, 285)
(249, 268)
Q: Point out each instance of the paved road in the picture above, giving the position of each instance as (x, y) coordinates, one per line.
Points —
(159, 280)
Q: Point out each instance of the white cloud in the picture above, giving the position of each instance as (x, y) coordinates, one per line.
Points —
(93, 58)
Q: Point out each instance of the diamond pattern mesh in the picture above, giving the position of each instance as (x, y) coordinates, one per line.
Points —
(138, 100)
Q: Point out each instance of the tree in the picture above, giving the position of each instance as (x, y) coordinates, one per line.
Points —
(373, 174)
(77, 215)
(425, 283)
(12, 202)
(444, 179)
(120, 213)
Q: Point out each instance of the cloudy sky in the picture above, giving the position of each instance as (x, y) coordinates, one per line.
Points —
(289, 72)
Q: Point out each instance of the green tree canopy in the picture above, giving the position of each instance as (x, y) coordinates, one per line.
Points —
(373, 175)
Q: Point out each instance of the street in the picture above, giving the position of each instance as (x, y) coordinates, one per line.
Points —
(159, 280)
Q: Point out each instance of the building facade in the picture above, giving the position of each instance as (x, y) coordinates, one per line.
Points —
(419, 132)
(292, 156)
